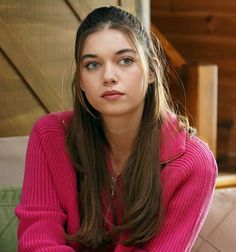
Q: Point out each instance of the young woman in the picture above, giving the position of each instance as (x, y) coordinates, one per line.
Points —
(121, 172)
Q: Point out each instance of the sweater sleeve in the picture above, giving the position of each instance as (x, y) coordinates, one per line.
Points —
(41, 218)
(188, 186)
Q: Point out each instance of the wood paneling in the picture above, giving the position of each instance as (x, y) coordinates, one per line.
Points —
(26, 68)
(19, 108)
(201, 47)
(160, 5)
(128, 5)
(80, 8)
(199, 5)
(203, 23)
(196, 5)
(37, 43)
(96, 3)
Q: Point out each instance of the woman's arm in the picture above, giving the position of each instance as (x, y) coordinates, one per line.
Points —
(41, 218)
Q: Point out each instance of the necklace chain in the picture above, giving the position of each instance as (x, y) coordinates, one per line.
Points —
(113, 189)
(113, 186)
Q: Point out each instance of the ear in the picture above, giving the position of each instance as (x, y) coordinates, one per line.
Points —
(151, 77)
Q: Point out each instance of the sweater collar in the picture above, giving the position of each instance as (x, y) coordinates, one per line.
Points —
(172, 140)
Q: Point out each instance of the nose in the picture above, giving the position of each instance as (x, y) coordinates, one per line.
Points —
(110, 77)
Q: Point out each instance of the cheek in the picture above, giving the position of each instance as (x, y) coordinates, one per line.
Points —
(88, 93)
(85, 83)
(89, 81)
(91, 93)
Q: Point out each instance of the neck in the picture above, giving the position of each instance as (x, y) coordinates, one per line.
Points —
(121, 133)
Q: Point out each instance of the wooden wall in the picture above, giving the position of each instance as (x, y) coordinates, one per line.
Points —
(204, 31)
(36, 58)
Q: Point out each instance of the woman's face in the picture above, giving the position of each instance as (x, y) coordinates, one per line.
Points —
(111, 75)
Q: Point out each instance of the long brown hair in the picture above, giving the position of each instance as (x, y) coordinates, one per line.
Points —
(87, 143)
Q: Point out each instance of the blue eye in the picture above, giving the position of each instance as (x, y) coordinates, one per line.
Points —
(126, 61)
(92, 65)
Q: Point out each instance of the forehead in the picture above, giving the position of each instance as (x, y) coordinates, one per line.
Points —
(107, 39)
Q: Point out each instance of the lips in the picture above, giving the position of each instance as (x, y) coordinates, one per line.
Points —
(112, 95)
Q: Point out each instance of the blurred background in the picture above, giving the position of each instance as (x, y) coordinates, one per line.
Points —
(199, 39)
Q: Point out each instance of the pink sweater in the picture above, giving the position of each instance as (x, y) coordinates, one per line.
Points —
(49, 202)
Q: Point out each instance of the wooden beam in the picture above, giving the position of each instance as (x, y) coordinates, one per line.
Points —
(226, 180)
(27, 69)
(172, 54)
(80, 8)
(143, 12)
(207, 104)
(201, 87)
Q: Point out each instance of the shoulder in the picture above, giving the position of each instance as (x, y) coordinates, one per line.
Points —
(55, 122)
(198, 158)
(193, 174)
(195, 167)
(184, 154)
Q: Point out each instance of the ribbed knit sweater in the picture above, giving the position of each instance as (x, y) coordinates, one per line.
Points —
(49, 205)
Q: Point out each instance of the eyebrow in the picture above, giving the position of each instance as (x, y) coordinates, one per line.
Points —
(117, 53)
